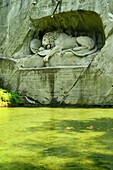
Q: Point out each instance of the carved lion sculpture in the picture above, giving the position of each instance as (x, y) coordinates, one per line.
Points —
(56, 41)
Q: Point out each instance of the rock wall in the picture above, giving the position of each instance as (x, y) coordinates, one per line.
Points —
(21, 20)
(69, 79)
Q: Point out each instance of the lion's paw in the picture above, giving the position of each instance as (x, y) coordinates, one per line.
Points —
(45, 59)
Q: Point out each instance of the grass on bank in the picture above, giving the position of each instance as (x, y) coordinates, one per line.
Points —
(56, 139)
(8, 99)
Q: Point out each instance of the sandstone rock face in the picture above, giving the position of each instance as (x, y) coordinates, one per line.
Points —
(67, 78)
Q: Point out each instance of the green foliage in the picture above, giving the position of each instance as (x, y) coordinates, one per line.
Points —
(8, 99)
(15, 99)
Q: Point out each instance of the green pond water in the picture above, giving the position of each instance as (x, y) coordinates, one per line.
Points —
(56, 139)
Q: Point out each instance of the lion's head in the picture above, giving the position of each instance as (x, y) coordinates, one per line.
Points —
(48, 40)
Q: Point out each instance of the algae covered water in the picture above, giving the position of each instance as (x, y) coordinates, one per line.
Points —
(56, 139)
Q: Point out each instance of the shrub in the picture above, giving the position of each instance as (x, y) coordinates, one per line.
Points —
(8, 99)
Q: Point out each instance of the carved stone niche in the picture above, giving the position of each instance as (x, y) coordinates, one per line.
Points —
(73, 24)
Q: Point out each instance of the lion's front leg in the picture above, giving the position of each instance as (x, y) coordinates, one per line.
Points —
(46, 61)
(51, 53)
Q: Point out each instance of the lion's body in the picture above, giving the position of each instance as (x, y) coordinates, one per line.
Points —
(65, 41)
(58, 41)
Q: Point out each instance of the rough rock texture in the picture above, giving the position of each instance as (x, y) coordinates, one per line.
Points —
(68, 79)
